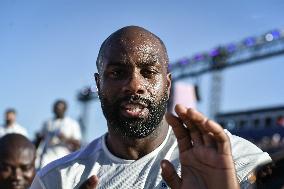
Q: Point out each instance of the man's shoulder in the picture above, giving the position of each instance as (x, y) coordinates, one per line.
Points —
(242, 146)
(55, 167)
(16, 128)
(20, 127)
(246, 156)
(69, 120)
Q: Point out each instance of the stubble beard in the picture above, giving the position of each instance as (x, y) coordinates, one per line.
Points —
(134, 128)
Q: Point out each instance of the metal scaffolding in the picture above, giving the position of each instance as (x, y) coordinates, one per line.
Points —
(249, 50)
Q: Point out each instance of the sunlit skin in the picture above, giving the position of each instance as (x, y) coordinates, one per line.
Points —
(10, 118)
(59, 109)
(134, 64)
(17, 158)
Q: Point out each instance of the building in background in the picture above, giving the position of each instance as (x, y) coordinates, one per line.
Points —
(263, 126)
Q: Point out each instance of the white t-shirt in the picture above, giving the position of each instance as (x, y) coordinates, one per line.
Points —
(14, 128)
(52, 148)
(113, 172)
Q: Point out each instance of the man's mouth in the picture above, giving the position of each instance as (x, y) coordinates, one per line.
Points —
(134, 110)
(17, 185)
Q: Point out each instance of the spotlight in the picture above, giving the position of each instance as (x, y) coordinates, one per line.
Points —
(214, 52)
(250, 41)
(198, 57)
(231, 48)
(184, 61)
(269, 37)
(275, 34)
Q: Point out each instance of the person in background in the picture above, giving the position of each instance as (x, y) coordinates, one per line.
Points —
(11, 125)
(17, 162)
(59, 136)
(145, 147)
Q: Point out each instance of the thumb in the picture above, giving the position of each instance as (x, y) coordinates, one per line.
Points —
(169, 174)
(90, 183)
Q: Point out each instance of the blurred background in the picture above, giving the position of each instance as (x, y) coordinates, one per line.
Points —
(226, 58)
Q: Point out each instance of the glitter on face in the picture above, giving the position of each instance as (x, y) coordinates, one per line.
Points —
(134, 115)
(136, 127)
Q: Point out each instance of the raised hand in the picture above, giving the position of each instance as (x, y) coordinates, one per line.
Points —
(204, 152)
(90, 183)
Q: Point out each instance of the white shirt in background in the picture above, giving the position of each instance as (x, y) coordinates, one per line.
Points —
(52, 147)
(14, 128)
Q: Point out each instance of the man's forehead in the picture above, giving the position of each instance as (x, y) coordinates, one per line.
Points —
(132, 44)
(26, 151)
(131, 34)
(144, 51)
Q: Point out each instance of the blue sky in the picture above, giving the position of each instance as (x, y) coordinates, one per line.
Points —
(48, 50)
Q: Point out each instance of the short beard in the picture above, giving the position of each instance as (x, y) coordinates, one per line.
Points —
(135, 128)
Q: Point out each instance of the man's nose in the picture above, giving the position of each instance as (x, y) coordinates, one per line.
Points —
(135, 84)
(17, 174)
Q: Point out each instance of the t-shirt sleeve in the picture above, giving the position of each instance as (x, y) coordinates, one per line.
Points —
(37, 184)
(246, 156)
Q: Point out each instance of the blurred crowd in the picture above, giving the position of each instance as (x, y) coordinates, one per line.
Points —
(21, 155)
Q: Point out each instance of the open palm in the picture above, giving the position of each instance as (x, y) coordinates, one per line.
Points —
(205, 153)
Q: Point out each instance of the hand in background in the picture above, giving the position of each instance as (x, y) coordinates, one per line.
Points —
(71, 143)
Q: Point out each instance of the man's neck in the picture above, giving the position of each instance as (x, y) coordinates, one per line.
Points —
(7, 125)
(59, 117)
(133, 149)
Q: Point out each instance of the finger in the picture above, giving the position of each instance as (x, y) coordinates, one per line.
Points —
(209, 140)
(182, 114)
(196, 138)
(181, 133)
(90, 183)
(195, 119)
(205, 126)
(220, 137)
(186, 116)
(169, 175)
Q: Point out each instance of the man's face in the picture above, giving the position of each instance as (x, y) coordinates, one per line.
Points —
(10, 117)
(134, 86)
(59, 110)
(17, 169)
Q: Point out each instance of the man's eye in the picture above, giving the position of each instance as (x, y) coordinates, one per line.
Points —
(148, 73)
(115, 73)
(26, 167)
(4, 167)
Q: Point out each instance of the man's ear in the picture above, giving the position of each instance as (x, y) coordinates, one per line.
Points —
(169, 84)
(97, 78)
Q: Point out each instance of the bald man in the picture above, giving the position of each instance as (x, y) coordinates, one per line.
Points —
(17, 162)
(11, 125)
(143, 148)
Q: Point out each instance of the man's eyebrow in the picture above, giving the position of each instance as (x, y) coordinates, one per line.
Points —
(116, 64)
(27, 164)
(150, 64)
